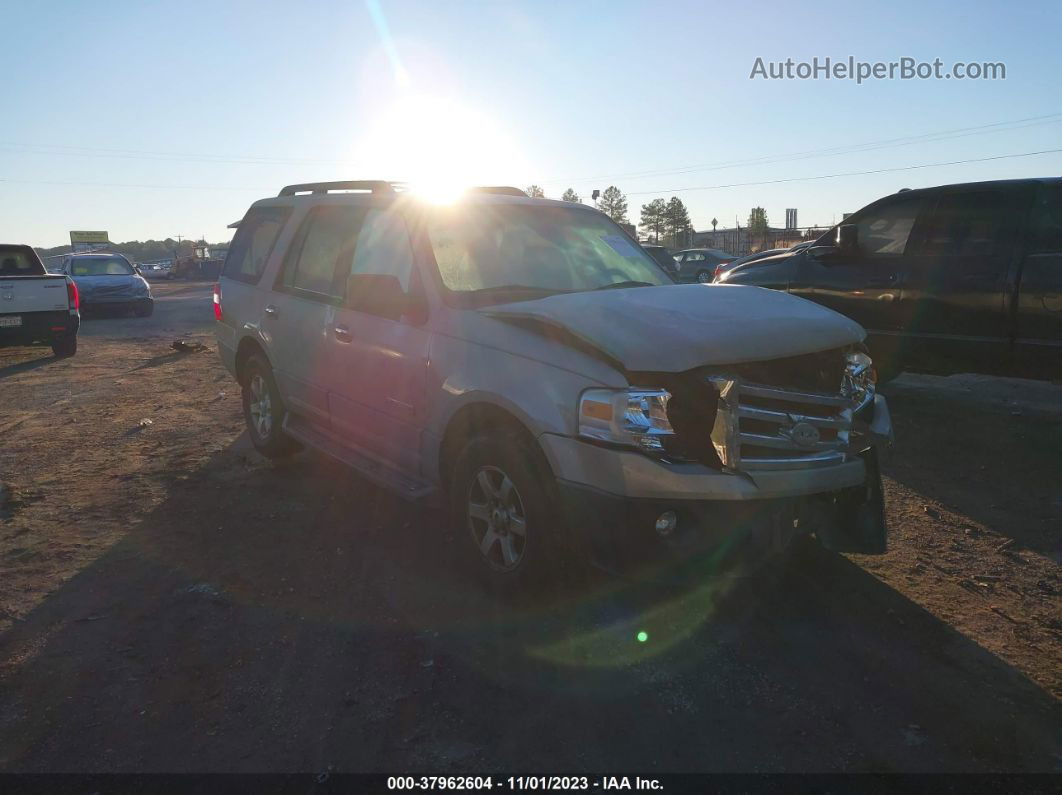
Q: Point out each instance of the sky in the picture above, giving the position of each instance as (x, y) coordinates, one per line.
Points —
(152, 120)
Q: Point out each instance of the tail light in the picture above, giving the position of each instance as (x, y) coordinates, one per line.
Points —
(72, 297)
(217, 301)
(719, 270)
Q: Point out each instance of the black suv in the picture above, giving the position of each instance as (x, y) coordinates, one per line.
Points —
(957, 278)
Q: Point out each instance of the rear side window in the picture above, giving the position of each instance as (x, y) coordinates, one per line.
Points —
(326, 236)
(970, 223)
(1046, 235)
(885, 229)
(253, 243)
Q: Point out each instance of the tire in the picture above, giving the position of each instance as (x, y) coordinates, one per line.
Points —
(704, 277)
(64, 347)
(144, 309)
(263, 410)
(504, 519)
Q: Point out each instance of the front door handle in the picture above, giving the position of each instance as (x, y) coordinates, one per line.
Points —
(272, 311)
(342, 333)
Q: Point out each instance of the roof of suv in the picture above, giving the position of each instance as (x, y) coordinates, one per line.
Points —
(366, 190)
(991, 183)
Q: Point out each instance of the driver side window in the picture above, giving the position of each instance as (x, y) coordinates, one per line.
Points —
(886, 229)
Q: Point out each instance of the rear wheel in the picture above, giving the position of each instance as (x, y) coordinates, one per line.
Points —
(704, 277)
(263, 410)
(65, 346)
(504, 520)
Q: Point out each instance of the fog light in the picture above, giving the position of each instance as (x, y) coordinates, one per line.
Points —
(666, 523)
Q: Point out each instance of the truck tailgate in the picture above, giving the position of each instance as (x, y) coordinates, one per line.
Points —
(20, 295)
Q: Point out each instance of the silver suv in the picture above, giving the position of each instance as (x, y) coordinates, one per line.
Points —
(526, 360)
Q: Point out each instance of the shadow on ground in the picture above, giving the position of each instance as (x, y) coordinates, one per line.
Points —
(297, 619)
(998, 463)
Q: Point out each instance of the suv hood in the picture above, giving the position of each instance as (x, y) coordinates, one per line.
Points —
(674, 328)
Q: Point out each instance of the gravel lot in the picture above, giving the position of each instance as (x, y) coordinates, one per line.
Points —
(170, 601)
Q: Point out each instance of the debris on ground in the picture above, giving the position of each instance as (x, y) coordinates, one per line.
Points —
(187, 346)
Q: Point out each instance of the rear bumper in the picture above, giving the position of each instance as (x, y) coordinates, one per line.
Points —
(43, 327)
(116, 300)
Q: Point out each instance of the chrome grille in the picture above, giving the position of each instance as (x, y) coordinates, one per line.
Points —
(764, 427)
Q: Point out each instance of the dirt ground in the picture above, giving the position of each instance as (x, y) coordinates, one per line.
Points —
(170, 601)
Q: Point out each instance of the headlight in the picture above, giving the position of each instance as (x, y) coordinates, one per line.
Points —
(632, 417)
(860, 378)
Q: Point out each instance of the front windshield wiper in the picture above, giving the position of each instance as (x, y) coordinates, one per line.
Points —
(516, 288)
(621, 285)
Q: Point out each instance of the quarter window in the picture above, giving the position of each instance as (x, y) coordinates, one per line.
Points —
(253, 243)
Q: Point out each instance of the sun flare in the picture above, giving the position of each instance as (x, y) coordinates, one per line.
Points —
(440, 147)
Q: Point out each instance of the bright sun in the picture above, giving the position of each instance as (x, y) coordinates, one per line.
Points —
(439, 147)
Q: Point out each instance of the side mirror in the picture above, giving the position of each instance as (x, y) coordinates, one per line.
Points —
(848, 238)
(821, 252)
(380, 294)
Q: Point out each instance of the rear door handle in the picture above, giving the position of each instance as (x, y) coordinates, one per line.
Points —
(342, 333)
(272, 311)
(884, 281)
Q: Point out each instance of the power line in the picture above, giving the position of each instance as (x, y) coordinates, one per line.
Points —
(631, 193)
(943, 135)
(845, 173)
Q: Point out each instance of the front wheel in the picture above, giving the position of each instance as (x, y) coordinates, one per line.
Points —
(263, 411)
(144, 309)
(503, 516)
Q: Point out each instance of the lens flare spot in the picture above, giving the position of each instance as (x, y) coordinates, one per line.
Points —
(642, 636)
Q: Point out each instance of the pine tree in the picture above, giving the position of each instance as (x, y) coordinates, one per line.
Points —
(613, 204)
(570, 196)
(654, 218)
(677, 221)
(535, 192)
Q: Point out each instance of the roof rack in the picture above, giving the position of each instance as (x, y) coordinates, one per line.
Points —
(502, 190)
(371, 185)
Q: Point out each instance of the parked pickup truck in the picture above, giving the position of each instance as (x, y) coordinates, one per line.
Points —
(36, 306)
(958, 278)
(526, 360)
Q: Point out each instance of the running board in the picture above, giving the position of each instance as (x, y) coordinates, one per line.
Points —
(382, 475)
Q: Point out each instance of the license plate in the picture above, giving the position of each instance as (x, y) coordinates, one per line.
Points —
(10, 321)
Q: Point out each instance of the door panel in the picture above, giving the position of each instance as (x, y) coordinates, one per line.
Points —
(378, 364)
(865, 284)
(297, 315)
(953, 303)
(1038, 343)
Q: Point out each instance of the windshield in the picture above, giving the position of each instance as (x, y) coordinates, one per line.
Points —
(545, 249)
(99, 266)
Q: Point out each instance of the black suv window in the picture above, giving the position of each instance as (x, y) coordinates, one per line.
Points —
(970, 223)
(1046, 237)
(885, 229)
(253, 243)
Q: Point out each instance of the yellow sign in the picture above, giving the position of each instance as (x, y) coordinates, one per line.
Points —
(88, 237)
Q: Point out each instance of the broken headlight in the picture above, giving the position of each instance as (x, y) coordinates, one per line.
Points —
(859, 379)
(633, 417)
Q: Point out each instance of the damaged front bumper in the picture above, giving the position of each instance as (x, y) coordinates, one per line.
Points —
(612, 501)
